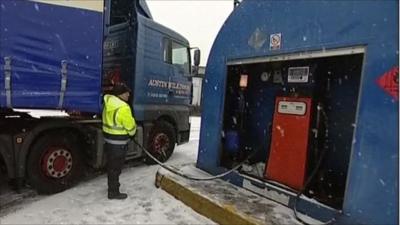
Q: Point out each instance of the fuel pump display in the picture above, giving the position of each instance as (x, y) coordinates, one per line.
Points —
(294, 114)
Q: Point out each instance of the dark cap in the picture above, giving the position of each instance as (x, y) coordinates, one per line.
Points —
(119, 89)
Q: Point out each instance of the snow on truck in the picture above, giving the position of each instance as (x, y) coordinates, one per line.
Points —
(65, 55)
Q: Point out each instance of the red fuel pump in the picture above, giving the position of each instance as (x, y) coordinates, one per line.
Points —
(290, 140)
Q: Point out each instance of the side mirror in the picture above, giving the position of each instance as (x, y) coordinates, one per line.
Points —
(196, 57)
(196, 62)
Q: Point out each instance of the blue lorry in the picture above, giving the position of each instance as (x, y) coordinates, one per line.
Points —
(307, 92)
(65, 55)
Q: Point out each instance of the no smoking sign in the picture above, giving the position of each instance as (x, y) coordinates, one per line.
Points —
(275, 41)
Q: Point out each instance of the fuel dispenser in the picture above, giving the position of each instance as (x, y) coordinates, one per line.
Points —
(291, 127)
(287, 161)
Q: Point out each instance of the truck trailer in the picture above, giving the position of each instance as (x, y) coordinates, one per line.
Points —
(306, 94)
(64, 55)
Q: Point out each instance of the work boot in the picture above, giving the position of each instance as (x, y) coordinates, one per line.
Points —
(117, 195)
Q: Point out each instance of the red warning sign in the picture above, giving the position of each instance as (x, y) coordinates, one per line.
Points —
(389, 82)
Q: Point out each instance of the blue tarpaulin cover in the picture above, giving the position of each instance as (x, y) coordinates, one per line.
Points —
(36, 38)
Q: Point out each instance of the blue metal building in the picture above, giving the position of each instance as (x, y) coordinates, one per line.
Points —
(356, 39)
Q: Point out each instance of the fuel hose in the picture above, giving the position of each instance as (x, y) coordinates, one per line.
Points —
(320, 112)
(189, 177)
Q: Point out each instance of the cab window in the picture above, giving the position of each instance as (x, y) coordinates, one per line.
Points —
(120, 11)
(176, 54)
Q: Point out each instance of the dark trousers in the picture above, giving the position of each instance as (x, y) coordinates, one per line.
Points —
(115, 160)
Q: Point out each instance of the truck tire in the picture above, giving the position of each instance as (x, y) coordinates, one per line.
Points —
(54, 163)
(161, 142)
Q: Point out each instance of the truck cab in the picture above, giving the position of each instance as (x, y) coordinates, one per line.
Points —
(154, 61)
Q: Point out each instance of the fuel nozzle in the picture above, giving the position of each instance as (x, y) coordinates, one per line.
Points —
(317, 120)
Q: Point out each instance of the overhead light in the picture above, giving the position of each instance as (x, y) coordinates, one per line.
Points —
(243, 80)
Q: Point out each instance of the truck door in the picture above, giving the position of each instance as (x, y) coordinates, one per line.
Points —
(179, 86)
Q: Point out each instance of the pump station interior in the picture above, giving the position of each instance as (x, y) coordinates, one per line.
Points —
(295, 121)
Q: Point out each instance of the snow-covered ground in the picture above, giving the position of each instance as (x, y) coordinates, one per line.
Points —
(87, 203)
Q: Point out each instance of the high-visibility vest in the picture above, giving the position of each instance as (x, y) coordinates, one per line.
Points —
(117, 117)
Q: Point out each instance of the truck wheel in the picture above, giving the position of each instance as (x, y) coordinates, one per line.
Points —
(161, 142)
(54, 163)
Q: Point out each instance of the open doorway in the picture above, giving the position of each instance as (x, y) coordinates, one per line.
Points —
(296, 118)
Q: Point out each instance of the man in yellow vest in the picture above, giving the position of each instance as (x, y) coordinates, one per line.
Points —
(118, 127)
